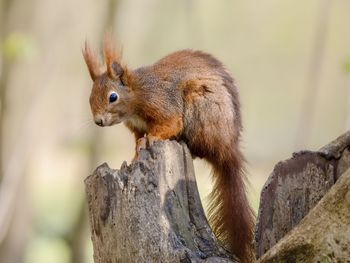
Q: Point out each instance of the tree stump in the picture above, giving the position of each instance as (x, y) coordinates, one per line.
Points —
(323, 235)
(150, 211)
(295, 187)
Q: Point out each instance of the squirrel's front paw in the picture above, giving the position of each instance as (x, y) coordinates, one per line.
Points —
(144, 142)
(151, 140)
(141, 144)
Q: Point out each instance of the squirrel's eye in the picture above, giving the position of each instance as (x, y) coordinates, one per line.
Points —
(113, 97)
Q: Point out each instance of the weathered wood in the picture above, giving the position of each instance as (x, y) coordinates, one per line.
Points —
(150, 211)
(296, 186)
(323, 235)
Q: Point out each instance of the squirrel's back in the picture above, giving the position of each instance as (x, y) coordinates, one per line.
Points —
(184, 75)
(184, 64)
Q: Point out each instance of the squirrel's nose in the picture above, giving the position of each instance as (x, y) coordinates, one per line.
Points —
(99, 121)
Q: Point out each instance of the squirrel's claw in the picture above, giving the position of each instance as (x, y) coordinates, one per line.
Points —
(145, 142)
(141, 144)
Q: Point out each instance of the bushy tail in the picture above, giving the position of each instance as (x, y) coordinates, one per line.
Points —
(230, 214)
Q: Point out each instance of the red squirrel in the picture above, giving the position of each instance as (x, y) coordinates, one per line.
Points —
(187, 95)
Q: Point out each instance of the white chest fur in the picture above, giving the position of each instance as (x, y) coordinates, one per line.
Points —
(138, 123)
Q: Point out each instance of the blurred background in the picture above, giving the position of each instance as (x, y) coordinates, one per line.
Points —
(290, 59)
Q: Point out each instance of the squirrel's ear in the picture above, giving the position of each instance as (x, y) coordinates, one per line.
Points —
(116, 70)
(112, 57)
(92, 62)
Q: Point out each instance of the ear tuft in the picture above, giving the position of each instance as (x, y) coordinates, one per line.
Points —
(112, 57)
(92, 62)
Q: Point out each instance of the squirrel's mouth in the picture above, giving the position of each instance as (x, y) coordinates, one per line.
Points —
(114, 122)
(108, 119)
(112, 119)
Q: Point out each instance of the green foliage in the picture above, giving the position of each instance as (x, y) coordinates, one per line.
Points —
(18, 45)
(47, 250)
(346, 66)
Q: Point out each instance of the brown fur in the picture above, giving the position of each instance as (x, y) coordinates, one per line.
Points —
(187, 95)
(92, 62)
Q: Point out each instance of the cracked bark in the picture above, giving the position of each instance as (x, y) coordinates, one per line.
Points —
(150, 211)
(294, 188)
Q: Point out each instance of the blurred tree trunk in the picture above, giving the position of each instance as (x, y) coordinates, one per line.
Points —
(314, 75)
(80, 230)
(14, 226)
(4, 73)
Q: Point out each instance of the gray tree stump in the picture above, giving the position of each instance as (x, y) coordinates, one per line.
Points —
(150, 211)
(323, 235)
(294, 188)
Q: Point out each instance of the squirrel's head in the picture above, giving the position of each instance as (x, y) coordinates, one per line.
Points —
(111, 98)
